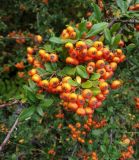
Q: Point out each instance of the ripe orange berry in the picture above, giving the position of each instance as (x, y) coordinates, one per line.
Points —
(73, 106)
(65, 96)
(100, 64)
(116, 84)
(98, 45)
(80, 45)
(30, 50)
(70, 29)
(38, 39)
(53, 57)
(54, 82)
(99, 55)
(113, 65)
(72, 61)
(78, 125)
(89, 110)
(92, 102)
(81, 111)
(73, 97)
(45, 83)
(101, 71)
(65, 79)
(80, 100)
(103, 86)
(42, 53)
(92, 51)
(73, 53)
(32, 72)
(30, 59)
(69, 45)
(90, 69)
(91, 64)
(87, 93)
(90, 141)
(66, 87)
(121, 43)
(36, 78)
(89, 25)
(137, 27)
(116, 59)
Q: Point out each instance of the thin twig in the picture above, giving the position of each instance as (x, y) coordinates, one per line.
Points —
(9, 104)
(8, 135)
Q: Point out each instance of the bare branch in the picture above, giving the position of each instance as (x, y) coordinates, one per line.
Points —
(9, 104)
(8, 135)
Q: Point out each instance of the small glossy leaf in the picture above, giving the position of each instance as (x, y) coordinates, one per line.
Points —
(56, 40)
(95, 76)
(107, 34)
(81, 71)
(115, 27)
(87, 84)
(97, 28)
(40, 111)
(115, 40)
(72, 82)
(97, 12)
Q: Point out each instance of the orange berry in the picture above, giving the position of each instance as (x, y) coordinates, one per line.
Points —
(32, 72)
(45, 83)
(42, 53)
(116, 84)
(30, 50)
(73, 97)
(53, 57)
(65, 79)
(66, 87)
(113, 65)
(80, 100)
(38, 38)
(103, 86)
(72, 61)
(92, 51)
(73, 106)
(78, 125)
(36, 78)
(90, 69)
(81, 111)
(92, 102)
(87, 93)
(70, 29)
(89, 110)
(54, 82)
(101, 71)
(69, 45)
(98, 45)
(100, 64)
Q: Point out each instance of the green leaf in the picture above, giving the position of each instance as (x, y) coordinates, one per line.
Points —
(72, 82)
(41, 71)
(49, 102)
(115, 27)
(97, 132)
(81, 71)
(40, 111)
(32, 84)
(95, 83)
(26, 113)
(115, 40)
(95, 90)
(107, 34)
(48, 48)
(48, 67)
(89, 42)
(87, 84)
(82, 26)
(97, 28)
(56, 40)
(97, 12)
(122, 5)
(68, 70)
(95, 76)
(103, 148)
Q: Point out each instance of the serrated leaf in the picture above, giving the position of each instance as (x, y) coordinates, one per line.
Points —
(41, 71)
(81, 71)
(95, 76)
(87, 84)
(72, 82)
(97, 28)
(26, 113)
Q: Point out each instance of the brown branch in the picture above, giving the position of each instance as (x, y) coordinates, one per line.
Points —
(9, 104)
(8, 135)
